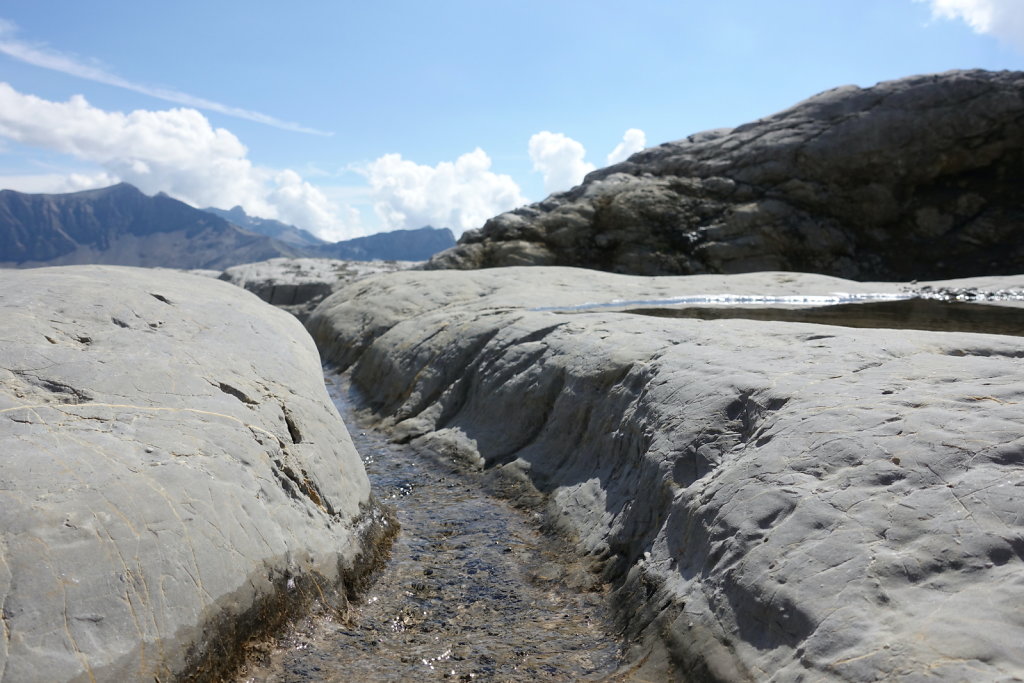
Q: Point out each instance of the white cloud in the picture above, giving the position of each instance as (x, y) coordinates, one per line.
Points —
(299, 203)
(560, 159)
(633, 141)
(1003, 19)
(459, 195)
(175, 151)
(47, 58)
(57, 183)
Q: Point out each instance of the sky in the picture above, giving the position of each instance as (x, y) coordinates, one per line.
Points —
(349, 118)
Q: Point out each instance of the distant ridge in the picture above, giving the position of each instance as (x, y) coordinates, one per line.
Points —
(120, 225)
(397, 245)
(289, 234)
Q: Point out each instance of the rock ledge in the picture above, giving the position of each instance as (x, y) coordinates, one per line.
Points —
(174, 478)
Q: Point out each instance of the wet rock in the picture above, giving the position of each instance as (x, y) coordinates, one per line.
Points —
(299, 284)
(174, 478)
(914, 178)
(772, 499)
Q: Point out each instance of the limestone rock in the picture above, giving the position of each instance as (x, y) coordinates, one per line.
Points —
(299, 284)
(911, 179)
(773, 500)
(173, 476)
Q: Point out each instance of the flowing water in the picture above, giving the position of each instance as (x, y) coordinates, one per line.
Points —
(473, 590)
(937, 311)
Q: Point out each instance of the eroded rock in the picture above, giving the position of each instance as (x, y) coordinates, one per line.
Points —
(773, 500)
(298, 285)
(910, 179)
(174, 479)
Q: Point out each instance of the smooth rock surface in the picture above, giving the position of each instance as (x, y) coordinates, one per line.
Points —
(173, 476)
(298, 285)
(774, 501)
(916, 178)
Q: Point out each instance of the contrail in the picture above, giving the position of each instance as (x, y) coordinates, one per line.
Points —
(46, 58)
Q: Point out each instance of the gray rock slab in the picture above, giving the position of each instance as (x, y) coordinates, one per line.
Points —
(909, 179)
(299, 284)
(774, 501)
(173, 476)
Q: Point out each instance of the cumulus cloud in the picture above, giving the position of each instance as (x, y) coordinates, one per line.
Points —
(57, 183)
(560, 159)
(48, 58)
(175, 151)
(459, 195)
(1003, 19)
(633, 141)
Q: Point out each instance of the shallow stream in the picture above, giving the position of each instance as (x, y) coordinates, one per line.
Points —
(473, 590)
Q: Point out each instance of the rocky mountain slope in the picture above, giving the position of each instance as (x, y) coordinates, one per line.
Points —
(396, 245)
(914, 178)
(773, 500)
(283, 232)
(173, 475)
(120, 225)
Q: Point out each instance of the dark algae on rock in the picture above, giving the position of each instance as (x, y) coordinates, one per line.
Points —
(916, 178)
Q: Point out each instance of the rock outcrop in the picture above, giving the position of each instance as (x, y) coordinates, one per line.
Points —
(773, 500)
(174, 479)
(911, 179)
(298, 285)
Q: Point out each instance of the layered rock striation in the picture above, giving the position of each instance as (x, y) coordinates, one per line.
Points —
(174, 479)
(910, 179)
(773, 500)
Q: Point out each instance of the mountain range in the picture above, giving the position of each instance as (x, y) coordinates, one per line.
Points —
(283, 232)
(395, 245)
(120, 225)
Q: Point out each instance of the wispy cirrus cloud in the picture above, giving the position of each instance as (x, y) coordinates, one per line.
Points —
(45, 57)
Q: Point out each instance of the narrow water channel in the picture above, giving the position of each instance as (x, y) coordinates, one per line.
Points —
(473, 591)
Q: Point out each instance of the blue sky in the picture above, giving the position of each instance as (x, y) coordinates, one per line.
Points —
(348, 118)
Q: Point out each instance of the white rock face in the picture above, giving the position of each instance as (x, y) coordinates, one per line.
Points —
(774, 500)
(173, 476)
